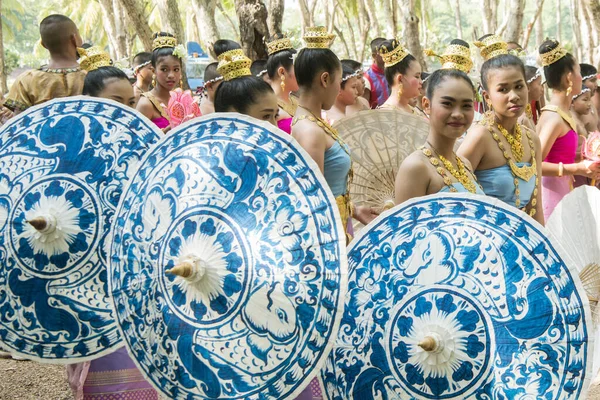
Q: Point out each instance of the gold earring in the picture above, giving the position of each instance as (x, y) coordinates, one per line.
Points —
(569, 89)
(283, 83)
(153, 81)
(400, 91)
(181, 83)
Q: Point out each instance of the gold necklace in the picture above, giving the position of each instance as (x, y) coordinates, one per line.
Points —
(563, 114)
(516, 146)
(289, 108)
(459, 173)
(525, 173)
(529, 112)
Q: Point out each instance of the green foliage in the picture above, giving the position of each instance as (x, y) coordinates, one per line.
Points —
(11, 61)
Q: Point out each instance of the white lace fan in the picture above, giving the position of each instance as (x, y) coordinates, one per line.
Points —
(575, 223)
(379, 141)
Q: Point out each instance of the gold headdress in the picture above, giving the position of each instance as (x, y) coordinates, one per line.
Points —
(393, 56)
(278, 45)
(317, 37)
(455, 56)
(234, 64)
(164, 41)
(93, 58)
(492, 46)
(553, 55)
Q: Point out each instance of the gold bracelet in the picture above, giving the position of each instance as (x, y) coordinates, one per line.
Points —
(561, 169)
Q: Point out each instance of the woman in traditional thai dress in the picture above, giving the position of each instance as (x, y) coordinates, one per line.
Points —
(346, 97)
(280, 71)
(361, 104)
(556, 127)
(319, 75)
(167, 61)
(435, 167)
(403, 75)
(505, 155)
(241, 91)
(535, 92)
(114, 376)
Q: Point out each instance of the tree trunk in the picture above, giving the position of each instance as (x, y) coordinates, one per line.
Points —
(275, 18)
(494, 15)
(388, 12)
(351, 31)
(252, 19)
(588, 32)
(365, 25)
(488, 23)
(593, 10)
(307, 16)
(109, 26)
(515, 21)
(558, 22)
(411, 32)
(139, 22)
(574, 14)
(209, 32)
(539, 27)
(456, 7)
(191, 26)
(229, 20)
(372, 13)
(113, 23)
(120, 29)
(3, 84)
(424, 29)
(531, 23)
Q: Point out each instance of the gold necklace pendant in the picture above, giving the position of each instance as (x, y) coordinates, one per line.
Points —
(516, 146)
(460, 173)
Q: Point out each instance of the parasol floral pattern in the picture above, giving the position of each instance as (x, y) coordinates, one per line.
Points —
(65, 162)
(244, 206)
(459, 297)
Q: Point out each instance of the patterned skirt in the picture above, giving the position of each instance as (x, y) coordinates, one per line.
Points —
(112, 377)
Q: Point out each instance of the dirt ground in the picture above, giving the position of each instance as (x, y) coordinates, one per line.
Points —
(26, 380)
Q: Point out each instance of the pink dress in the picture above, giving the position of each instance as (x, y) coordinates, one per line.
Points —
(554, 188)
(161, 122)
(285, 125)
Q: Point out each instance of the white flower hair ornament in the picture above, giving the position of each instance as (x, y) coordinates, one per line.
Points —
(180, 52)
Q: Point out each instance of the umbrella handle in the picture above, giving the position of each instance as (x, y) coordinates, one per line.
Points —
(192, 269)
(428, 343)
(43, 224)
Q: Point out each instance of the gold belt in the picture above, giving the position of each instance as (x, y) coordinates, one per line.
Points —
(343, 203)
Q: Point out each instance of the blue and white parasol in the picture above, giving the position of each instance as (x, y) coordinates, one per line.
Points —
(62, 168)
(459, 296)
(228, 263)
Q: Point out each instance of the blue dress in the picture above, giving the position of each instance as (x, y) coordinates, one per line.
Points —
(336, 167)
(499, 183)
(461, 189)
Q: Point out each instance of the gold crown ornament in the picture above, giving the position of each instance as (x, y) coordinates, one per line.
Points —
(317, 37)
(277, 45)
(393, 56)
(455, 56)
(164, 41)
(234, 64)
(553, 55)
(492, 46)
(93, 58)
